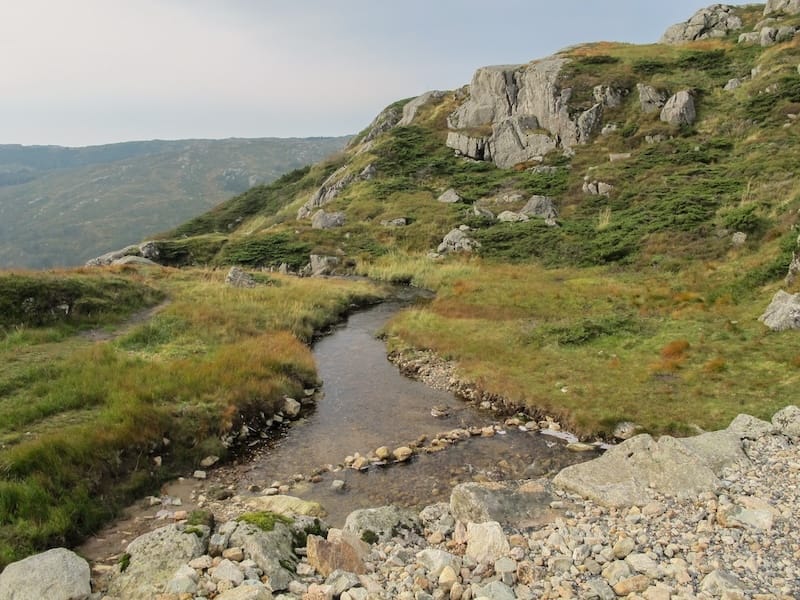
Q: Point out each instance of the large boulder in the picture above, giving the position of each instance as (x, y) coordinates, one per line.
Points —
(57, 574)
(717, 449)
(272, 551)
(787, 421)
(340, 551)
(750, 428)
(789, 7)
(322, 264)
(449, 196)
(518, 503)
(679, 109)
(715, 21)
(629, 474)
(238, 278)
(651, 99)
(383, 522)
(154, 559)
(457, 241)
(540, 206)
(527, 110)
(325, 220)
(783, 312)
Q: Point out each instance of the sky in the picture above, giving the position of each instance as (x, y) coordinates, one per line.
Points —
(85, 72)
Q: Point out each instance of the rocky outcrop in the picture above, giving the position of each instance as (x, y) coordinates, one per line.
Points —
(272, 551)
(146, 252)
(789, 7)
(322, 265)
(325, 220)
(787, 421)
(57, 574)
(518, 503)
(411, 107)
(651, 99)
(542, 207)
(388, 119)
(238, 278)
(679, 109)
(715, 21)
(783, 312)
(332, 187)
(527, 110)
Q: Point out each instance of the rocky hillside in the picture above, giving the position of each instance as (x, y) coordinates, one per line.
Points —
(603, 153)
(60, 206)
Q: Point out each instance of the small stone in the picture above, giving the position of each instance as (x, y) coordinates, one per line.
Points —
(383, 453)
(209, 461)
(623, 547)
(630, 585)
(402, 454)
(338, 485)
(199, 474)
(234, 554)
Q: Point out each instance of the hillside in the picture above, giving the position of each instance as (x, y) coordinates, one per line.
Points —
(61, 206)
(602, 229)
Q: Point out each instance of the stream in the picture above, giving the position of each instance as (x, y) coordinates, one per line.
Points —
(364, 403)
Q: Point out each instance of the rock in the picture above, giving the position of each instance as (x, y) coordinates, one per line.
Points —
(518, 503)
(383, 453)
(134, 260)
(435, 561)
(327, 192)
(410, 109)
(747, 427)
(209, 461)
(58, 574)
(540, 206)
(789, 7)
(528, 111)
(716, 21)
(738, 239)
(625, 430)
(323, 220)
(154, 559)
(272, 551)
(631, 472)
(285, 505)
(322, 264)
(236, 277)
(402, 454)
(617, 156)
(199, 474)
(384, 522)
(388, 119)
(341, 551)
(449, 196)
(291, 407)
(398, 222)
(733, 84)
(717, 449)
(486, 541)
(496, 590)
(338, 485)
(650, 99)
(787, 420)
(609, 96)
(341, 581)
(768, 36)
(597, 188)
(679, 110)
(631, 585)
(246, 592)
(368, 172)
(720, 582)
(110, 257)
(783, 312)
(623, 547)
(438, 518)
(731, 515)
(600, 589)
(508, 216)
(227, 571)
(479, 211)
(794, 266)
(751, 37)
(457, 241)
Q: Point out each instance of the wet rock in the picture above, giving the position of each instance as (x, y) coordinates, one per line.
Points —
(522, 503)
(57, 574)
(285, 505)
(291, 407)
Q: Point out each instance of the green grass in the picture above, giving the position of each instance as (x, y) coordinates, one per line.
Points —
(264, 520)
(80, 421)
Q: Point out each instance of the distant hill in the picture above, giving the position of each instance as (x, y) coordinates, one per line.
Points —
(61, 206)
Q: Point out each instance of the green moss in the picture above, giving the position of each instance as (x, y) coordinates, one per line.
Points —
(124, 562)
(264, 520)
(369, 536)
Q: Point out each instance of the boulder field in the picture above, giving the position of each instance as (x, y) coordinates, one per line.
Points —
(710, 516)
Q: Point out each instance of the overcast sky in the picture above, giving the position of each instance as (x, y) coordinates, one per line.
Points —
(82, 72)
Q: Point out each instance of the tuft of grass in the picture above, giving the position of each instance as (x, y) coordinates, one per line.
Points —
(264, 520)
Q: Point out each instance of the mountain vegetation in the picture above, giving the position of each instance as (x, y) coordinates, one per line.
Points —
(61, 206)
(614, 272)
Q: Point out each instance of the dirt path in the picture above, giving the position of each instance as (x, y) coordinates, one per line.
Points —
(137, 318)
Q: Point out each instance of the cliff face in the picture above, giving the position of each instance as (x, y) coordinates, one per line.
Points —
(519, 113)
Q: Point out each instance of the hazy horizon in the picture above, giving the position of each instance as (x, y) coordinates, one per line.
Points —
(93, 72)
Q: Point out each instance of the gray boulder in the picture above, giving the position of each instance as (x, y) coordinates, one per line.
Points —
(750, 37)
(716, 21)
(508, 216)
(750, 428)
(238, 278)
(385, 522)
(518, 139)
(540, 206)
(768, 36)
(398, 222)
(457, 241)
(411, 107)
(134, 260)
(789, 7)
(480, 211)
(324, 220)
(651, 99)
(717, 449)
(787, 420)
(783, 312)
(679, 109)
(733, 84)
(323, 265)
(631, 472)
(517, 503)
(609, 96)
(449, 196)
(477, 148)
(388, 119)
(154, 559)
(57, 574)
(272, 551)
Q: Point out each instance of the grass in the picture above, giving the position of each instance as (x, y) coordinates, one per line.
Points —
(80, 421)
(264, 520)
